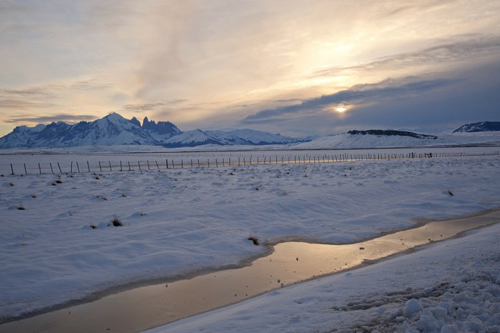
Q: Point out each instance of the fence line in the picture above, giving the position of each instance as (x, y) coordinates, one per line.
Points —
(227, 162)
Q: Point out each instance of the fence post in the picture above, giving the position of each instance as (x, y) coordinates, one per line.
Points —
(173, 165)
(148, 165)
(88, 165)
(129, 169)
(25, 171)
(71, 167)
(139, 165)
(182, 164)
(12, 169)
(78, 167)
(157, 166)
(40, 168)
(121, 167)
(166, 162)
(59, 167)
(110, 168)
(100, 167)
(51, 168)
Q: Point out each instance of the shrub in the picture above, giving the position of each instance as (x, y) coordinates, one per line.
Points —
(254, 239)
(116, 222)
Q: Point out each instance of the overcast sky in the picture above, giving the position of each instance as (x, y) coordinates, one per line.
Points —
(297, 67)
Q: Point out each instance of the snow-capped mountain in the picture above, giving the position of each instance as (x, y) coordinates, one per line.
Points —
(236, 137)
(110, 130)
(484, 126)
(116, 130)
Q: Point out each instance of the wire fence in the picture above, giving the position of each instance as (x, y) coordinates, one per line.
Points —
(166, 164)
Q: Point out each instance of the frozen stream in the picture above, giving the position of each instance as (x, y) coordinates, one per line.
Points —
(289, 263)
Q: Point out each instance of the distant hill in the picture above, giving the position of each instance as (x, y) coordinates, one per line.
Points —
(372, 139)
(393, 133)
(115, 130)
(484, 126)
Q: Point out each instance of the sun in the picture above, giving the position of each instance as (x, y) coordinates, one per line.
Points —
(340, 109)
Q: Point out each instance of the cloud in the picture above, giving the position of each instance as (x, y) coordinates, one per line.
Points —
(359, 94)
(151, 106)
(20, 104)
(447, 53)
(48, 119)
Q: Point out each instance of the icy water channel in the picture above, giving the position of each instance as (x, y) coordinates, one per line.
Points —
(291, 262)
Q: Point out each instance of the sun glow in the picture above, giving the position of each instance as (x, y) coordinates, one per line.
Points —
(341, 109)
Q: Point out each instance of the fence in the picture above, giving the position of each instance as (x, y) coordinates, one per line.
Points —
(100, 166)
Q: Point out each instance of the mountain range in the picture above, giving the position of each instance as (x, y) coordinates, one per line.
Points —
(114, 129)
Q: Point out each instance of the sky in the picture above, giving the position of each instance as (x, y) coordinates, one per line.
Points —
(297, 67)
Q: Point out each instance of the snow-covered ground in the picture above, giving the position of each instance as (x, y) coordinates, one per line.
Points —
(179, 221)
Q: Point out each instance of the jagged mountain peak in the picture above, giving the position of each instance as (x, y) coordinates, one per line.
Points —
(135, 121)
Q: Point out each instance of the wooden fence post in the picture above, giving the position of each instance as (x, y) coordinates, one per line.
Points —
(110, 168)
(40, 168)
(100, 167)
(148, 165)
(78, 167)
(25, 171)
(139, 162)
(12, 169)
(59, 167)
(129, 169)
(88, 165)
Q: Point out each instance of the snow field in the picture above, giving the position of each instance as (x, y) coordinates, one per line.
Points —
(180, 221)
